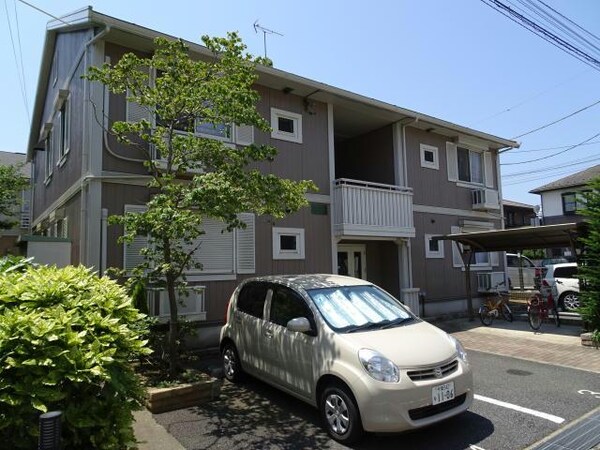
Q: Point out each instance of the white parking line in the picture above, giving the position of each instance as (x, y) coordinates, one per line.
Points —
(474, 447)
(532, 412)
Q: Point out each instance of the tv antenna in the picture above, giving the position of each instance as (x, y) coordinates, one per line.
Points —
(265, 31)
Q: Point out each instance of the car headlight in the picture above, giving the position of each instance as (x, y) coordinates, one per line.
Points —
(462, 354)
(378, 366)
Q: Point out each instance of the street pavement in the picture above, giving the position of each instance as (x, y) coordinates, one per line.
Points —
(255, 416)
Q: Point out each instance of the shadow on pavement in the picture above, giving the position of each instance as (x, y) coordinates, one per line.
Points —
(255, 416)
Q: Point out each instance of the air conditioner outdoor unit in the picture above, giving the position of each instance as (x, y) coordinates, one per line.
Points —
(485, 199)
(487, 281)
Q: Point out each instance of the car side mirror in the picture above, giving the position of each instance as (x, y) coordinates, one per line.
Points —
(299, 325)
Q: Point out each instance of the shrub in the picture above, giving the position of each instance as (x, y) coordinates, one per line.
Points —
(589, 270)
(66, 341)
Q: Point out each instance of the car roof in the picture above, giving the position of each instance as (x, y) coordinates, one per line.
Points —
(313, 280)
(552, 267)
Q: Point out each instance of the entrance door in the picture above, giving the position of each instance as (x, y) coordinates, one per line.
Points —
(352, 260)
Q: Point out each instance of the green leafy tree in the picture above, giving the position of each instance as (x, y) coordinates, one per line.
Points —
(589, 270)
(12, 182)
(198, 177)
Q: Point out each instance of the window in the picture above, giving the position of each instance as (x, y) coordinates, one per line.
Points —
(64, 130)
(470, 165)
(49, 155)
(286, 125)
(569, 203)
(287, 305)
(63, 228)
(219, 131)
(192, 305)
(433, 248)
(429, 157)
(288, 243)
(251, 299)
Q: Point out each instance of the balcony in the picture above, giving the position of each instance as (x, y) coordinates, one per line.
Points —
(362, 208)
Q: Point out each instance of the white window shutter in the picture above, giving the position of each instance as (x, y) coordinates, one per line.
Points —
(215, 252)
(245, 246)
(244, 134)
(131, 251)
(488, 167)
(451, 161)
(457, 260)
(134, 112)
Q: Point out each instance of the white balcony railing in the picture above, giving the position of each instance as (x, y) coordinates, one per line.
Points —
(372, 209)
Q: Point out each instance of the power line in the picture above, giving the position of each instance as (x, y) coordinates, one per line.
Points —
(532, 97)
(557, 121)
(554, 154)
(532, 150)
(21, 81)
(546, 173)
(554, 167)
(44, 12)
(544, 33)
(21, 59)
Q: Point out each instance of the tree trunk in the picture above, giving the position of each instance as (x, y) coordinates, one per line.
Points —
(173, 328)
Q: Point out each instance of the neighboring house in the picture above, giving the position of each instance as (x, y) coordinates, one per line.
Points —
(518, 214)
(8, 238)
(561, 200)
(389, 180)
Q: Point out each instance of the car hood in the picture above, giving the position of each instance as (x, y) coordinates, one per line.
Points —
(413, 345)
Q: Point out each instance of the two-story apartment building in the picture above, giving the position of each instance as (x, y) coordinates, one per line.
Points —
(22, 213)
(517, 214)
(389, 178)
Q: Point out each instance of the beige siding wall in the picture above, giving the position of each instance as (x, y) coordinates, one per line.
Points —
(118, 157)
(369, 157)
(306, 161)
(430, 186)
(68, 47)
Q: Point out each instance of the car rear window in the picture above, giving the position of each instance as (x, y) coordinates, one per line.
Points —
(251, 299)
(565, 272)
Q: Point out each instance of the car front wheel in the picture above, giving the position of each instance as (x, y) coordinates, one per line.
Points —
(340, 415)
(570, 301)
(231, 363)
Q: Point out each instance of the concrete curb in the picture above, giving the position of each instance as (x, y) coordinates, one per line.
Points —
(152, 436)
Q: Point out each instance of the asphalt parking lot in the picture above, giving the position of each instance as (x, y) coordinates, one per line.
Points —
(519, 403)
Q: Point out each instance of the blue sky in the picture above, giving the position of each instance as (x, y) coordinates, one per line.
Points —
(457, 60)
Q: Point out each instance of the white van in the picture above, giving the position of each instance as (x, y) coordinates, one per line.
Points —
(530, 272)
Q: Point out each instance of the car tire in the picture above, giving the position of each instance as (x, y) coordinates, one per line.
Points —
(569, 301)
(232, 367)
(340, 414)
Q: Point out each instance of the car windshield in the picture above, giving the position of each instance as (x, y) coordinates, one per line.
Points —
(359, 308)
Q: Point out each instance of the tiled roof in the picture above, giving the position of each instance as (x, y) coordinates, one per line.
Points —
(576, 179)
(516, 204)
(9, 159)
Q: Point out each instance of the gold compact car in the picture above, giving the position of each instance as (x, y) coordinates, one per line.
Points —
(347, 347)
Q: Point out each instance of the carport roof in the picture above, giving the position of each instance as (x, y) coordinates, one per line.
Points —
(547, 236)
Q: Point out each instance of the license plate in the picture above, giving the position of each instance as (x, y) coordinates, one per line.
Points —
(442, 393)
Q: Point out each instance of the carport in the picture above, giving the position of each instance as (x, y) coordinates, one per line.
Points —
(513, 240)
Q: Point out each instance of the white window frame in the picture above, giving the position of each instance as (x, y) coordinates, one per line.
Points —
(439, 254)
(49, 167)
(64, 140)
(278, 253)
(435, 164)
(296, 136)
(159, 295)
(470, 182)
